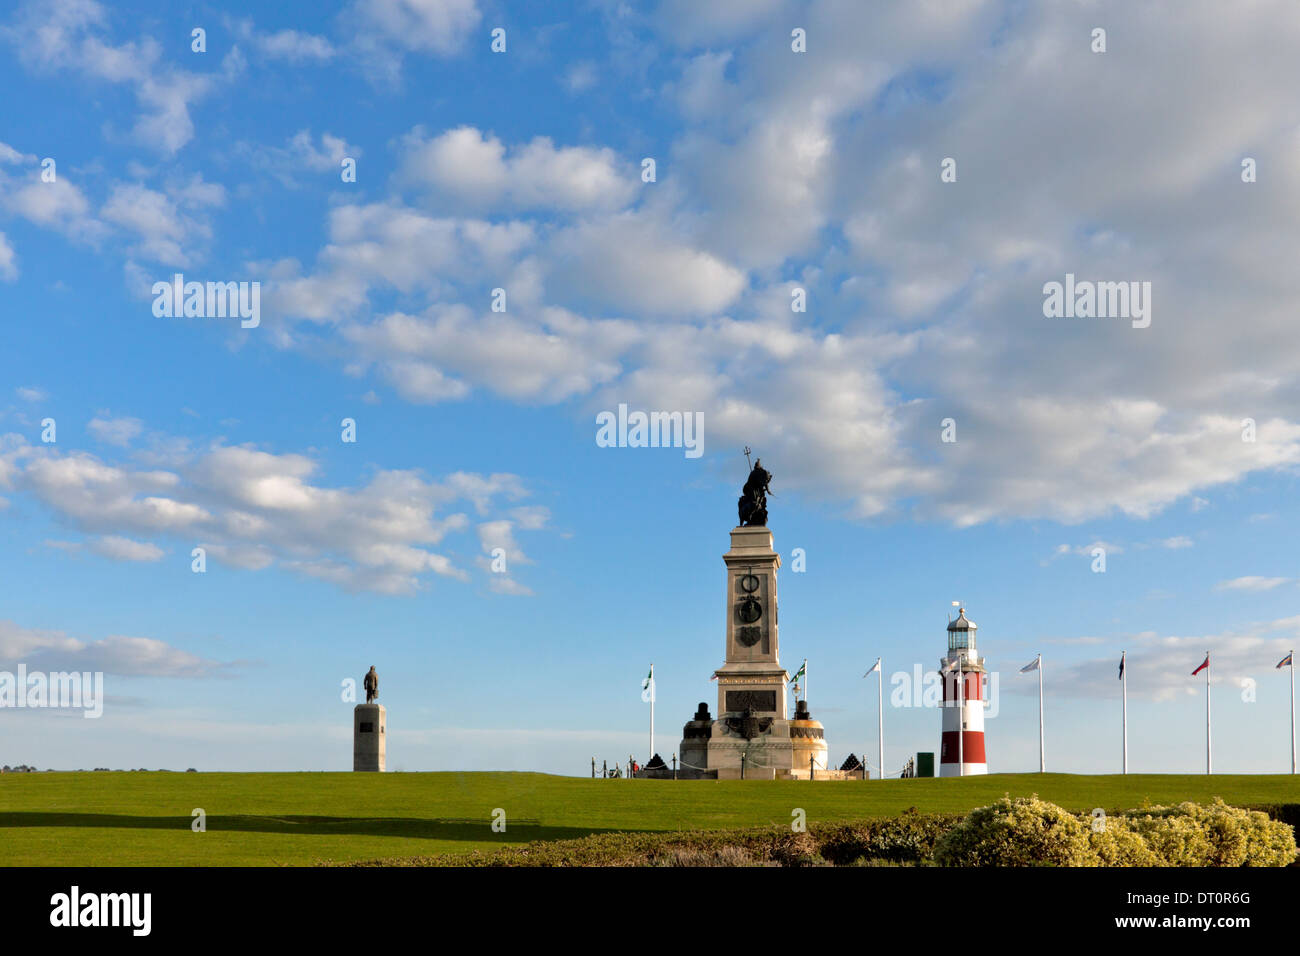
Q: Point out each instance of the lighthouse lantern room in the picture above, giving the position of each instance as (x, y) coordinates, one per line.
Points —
(961, 750)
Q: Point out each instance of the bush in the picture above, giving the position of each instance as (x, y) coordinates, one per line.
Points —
(1033, 832)
(723, 856)
(1021, 832)
(1119, 844)
(1216, 834)
(909, 838)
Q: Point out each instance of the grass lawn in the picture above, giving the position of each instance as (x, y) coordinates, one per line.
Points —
(134, 818)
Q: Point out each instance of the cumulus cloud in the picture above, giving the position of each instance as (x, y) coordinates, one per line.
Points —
(477, 171)
(167, 225)
(548, 355)
(821, 173)
(59, 205)
(383, 30)
(253, 509)
(71, 35)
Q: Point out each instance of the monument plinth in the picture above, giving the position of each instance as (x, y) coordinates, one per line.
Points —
(369, 733)
(753, 736)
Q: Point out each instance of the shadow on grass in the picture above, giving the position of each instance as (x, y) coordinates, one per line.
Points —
(518, 831)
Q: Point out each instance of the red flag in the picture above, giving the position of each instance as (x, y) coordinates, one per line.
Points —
(1203, 665)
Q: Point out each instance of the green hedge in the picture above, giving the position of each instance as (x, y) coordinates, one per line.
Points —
(1022, 832)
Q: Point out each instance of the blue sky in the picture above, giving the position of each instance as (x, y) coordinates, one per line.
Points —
(522, 170)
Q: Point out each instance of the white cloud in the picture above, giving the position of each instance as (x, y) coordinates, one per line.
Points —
(302, 153)
(57, 205)
(630, 262)
(550, 355)
(294, 46)
(383, 30)
(476, 171)
(438, 26)
(125, 549)
(1251, 583)
(168, 225)
(126, 656)
(822, 171)
(115, 431)
(11, 156)
(1159, 666)
(8, 260)
(253, 509)
(70, 35)
(719, 21)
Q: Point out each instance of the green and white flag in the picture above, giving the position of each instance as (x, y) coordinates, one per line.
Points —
(801, 672)
(648, 686)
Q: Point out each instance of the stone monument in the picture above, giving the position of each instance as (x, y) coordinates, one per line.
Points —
(369, 728)
(752, 735)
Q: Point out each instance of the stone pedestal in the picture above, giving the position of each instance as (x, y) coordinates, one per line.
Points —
(751, 729)
(751, 677)
(369, 735)
(753, 735)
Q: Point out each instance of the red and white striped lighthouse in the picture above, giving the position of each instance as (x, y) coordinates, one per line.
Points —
(961, 751)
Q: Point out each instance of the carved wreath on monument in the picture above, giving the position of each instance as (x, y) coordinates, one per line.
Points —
(748, 726)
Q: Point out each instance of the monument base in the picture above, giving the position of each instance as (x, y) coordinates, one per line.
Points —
(369, 736)
(744, 746)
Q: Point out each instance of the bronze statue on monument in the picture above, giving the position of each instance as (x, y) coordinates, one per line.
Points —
(752, 505)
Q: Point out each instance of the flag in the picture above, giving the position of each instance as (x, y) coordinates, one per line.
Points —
(1286, 661)
(874, 667)
(1031, 666)
(1121, 665)
(648, 686)
(802, 668)
(1204, 664)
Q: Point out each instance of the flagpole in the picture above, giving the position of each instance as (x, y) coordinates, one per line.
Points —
(1042, 750)
(1124, 674)
(805, 680)
(652, 714)
(1292, 656)
(1209, 765)
(880, 716)
(961, 718)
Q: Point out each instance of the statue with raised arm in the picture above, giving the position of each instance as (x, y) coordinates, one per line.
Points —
(371, 684)
(752, 505)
